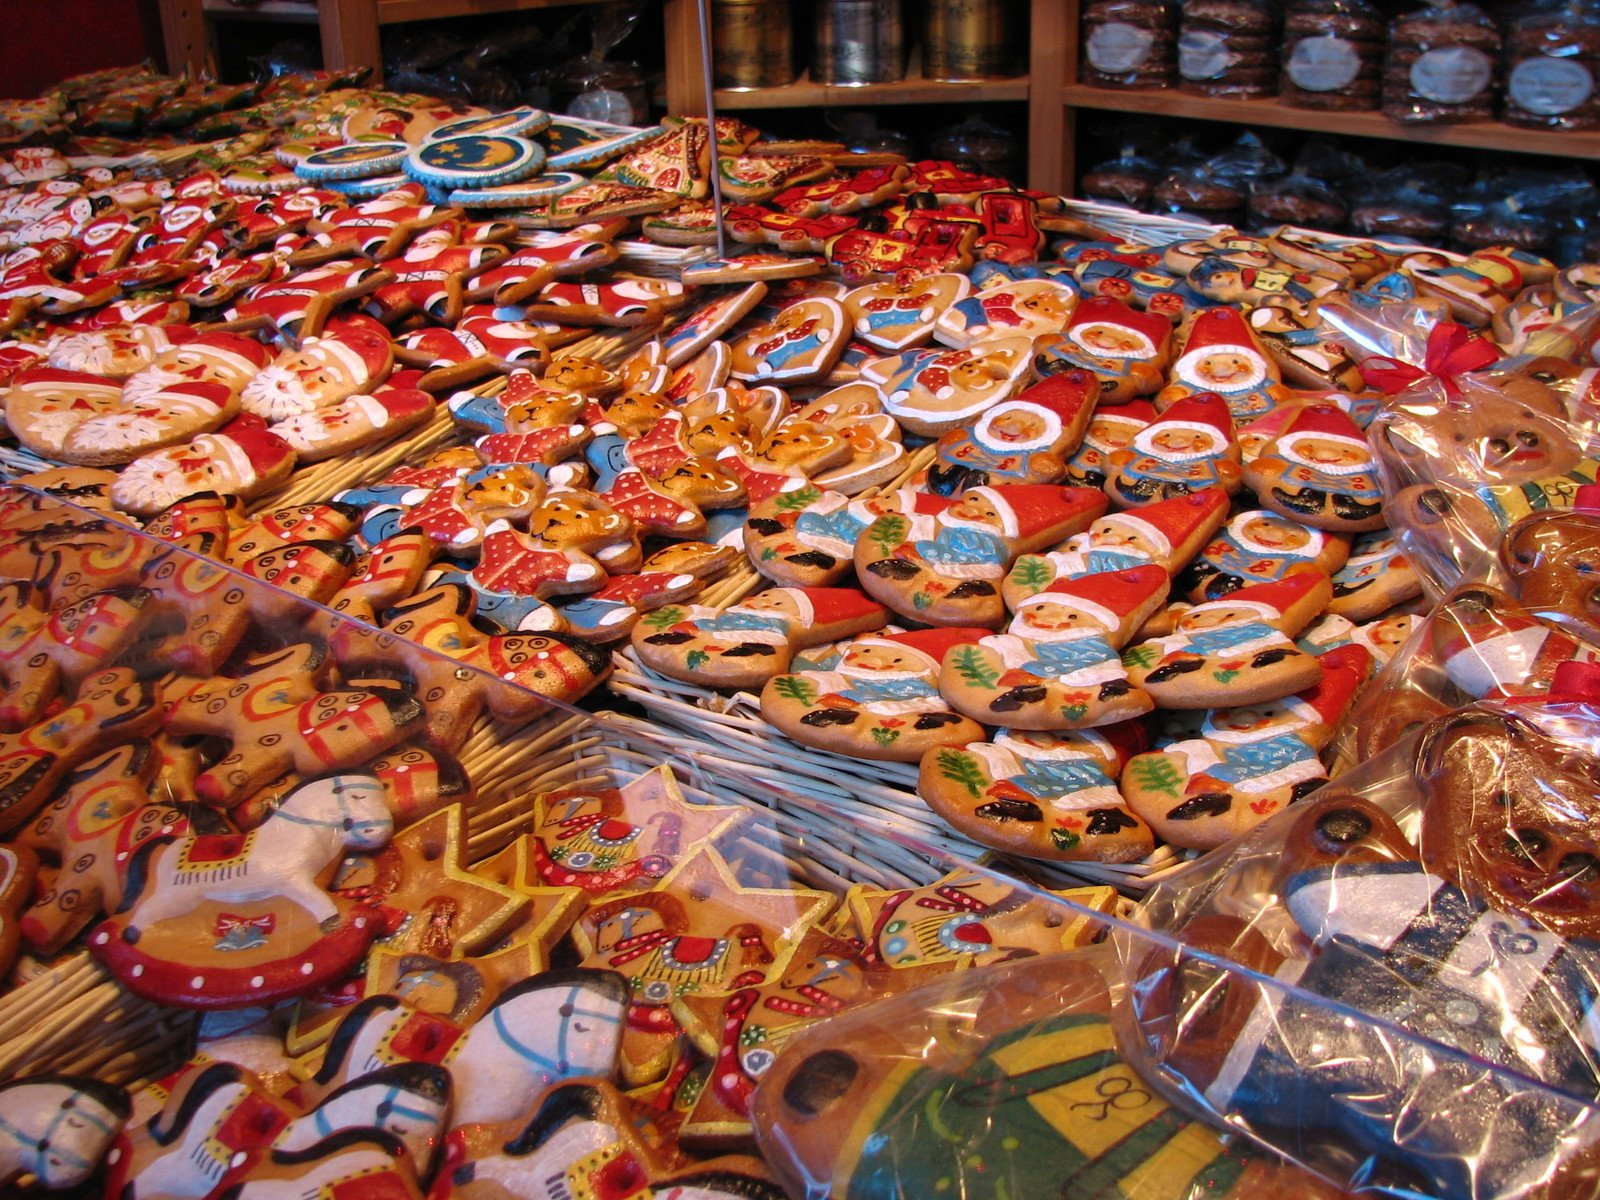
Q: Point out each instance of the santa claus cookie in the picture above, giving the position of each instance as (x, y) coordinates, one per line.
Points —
(125, 430)
(946, 569)
(1126, 350)
(323, 371)
(1111, 428)
(1258, 546)
(1320, 470)
(114, 353)
(355, 422)
(1237, 650)
(932, 393)
(43, 405)
(1021, 440)
(1188, 448)
(879, 698)
(1168, 533)
(241, 459)
(1057, 664)
(1222, 355)
(1248, 761)
(897, 316)
(1041, 795)
(744, 646)
(230, 359)
(1026, 307)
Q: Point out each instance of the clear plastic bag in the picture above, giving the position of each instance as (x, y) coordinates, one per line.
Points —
(1442, 65)
(1228, 48)
(1332, 55)
(1129, 179)
(1421, 1018)
(1552, 61)
(1129, 43)
(1298, 199)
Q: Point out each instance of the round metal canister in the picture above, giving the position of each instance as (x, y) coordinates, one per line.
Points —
(752, 44)
(966, 40)
(859, 41)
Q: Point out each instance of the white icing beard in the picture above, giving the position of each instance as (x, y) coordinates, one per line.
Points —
(278, 392)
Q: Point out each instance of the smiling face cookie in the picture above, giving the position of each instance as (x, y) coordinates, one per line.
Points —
(1319, 470)
(1021, 440)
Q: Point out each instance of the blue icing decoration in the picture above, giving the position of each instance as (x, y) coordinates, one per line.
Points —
(964, 547)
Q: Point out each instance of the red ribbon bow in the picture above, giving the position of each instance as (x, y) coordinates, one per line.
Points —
(1453, 350)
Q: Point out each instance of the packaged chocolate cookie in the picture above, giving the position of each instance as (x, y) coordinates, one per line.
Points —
(1332, 55)
(1408, 203)
(1129, 179)
(1297, 199)
(1442, 65)
(1552, 62)
(1129, 43)
(1228, 47)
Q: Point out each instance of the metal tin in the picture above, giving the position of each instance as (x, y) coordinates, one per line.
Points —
(859, 41)
(752, 44)
(966, 40)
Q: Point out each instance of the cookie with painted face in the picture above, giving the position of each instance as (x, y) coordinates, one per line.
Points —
(1026, 307)
(1291, 337)
(1222, 355)
(1057, 665)
(797, 345)
(807, 537)
(931, 393)
(743, 646)
(1320, 470)
(1111, 428)
(896, 316)
(1025, 439)
(1551, 557)
(114, 353)
(946, 569)
(321, 372)
(1237, 650)
(1188, 448)
(1125, 349)
(43, 405)
(229, 359)
(1042, 795)
(240, 459)
(879, 699)
(1260, 546)
(1247, 761)
(59, 1128)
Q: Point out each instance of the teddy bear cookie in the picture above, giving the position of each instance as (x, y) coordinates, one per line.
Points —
(1551, 558)
(1049, 795)
(878, 697)
(1248, 761)
(946, 569)
(1021, 440)
(1187, 448)
(1126, 350)
(1026, 307)
(896, 316)
(742, 647)
(1237, 650)
(1057, 665)
(1320, 471)
(932, 393)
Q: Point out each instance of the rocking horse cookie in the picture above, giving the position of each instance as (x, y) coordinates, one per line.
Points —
(1058, 666)
(1025, 439)
(57, 1128)
(1041, 795)
(1237, 650)
(879, 698)
(743, 646)
(946, 569)
(223, 920)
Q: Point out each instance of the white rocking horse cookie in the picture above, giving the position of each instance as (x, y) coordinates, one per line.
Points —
(225, 920)
(57, 1128)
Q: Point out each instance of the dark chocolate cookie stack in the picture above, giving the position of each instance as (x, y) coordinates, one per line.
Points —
(1442, 65)
(1228, 48)
(1552, 63)
(1129, 43)
(1332, 55)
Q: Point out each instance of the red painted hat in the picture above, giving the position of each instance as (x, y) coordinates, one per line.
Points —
(1108, 310)
(1112, 596)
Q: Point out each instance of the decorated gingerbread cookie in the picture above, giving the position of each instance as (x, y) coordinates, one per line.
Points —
(1260, 546)
(1124, 348)
(240, 459)
(897, 316)
(946, 569)
(1221, 355)
(798, 345)
(59, 1128)
(1111, 428)
(1237, 650)
(1188, 448)
(1025, 439)
(1028, 307)
(931, 393)
(878, 698)
(744, 646)
(1058, 666)
(1320, 470)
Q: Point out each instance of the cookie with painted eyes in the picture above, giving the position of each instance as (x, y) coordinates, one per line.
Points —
(1320, 471)
(1554, 559)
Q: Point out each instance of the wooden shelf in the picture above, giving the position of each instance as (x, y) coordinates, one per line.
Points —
(804, 93)
(282, 11)
(394, 12)
(1480, 135)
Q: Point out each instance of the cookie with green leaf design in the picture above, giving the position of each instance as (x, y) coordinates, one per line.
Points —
(877, 697)
(1042, 795)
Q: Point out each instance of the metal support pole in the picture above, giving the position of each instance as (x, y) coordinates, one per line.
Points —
(704, 8)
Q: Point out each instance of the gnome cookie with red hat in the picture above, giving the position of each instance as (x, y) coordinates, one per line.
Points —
(323, 371)
(1041, 795)
(1248, 762)
(1168, 533)
(1021, 440)
(744, 646)
(1222, 355)
(1126, 350)
(807, 538)
(1320, 470)
(1057, 665)
(1237, 650)
(946, 569)
(879, 698)
(1258, 546)
(1188, 447)
(1375, 578)
(1111, 428)
(242, 459)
